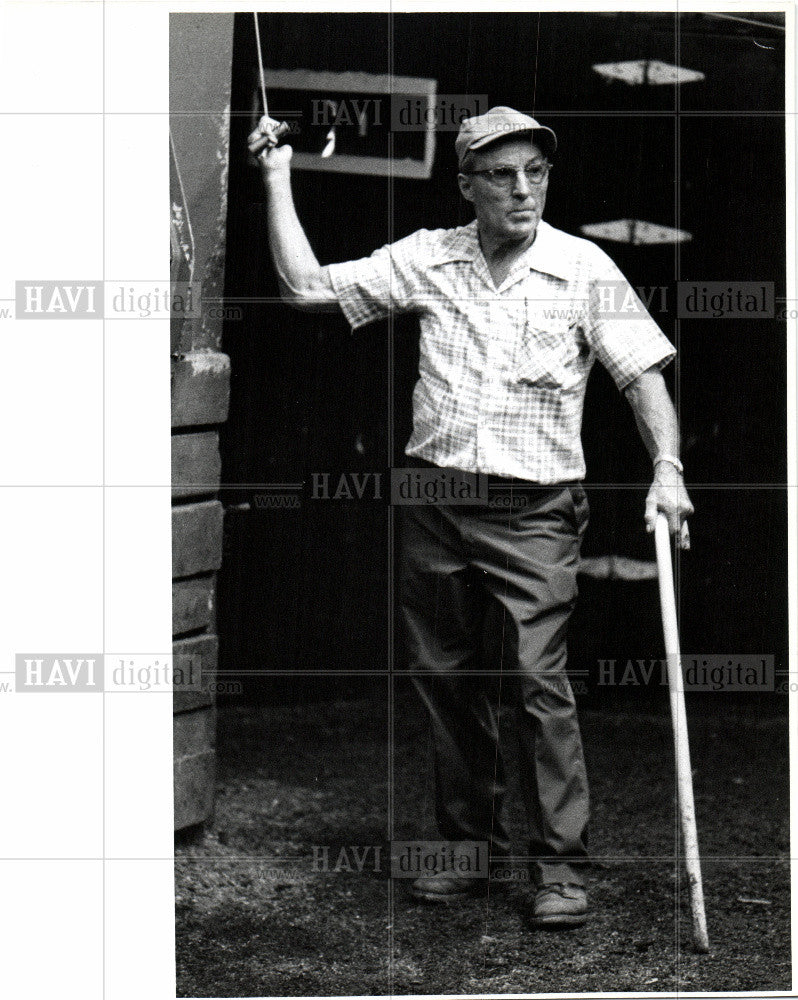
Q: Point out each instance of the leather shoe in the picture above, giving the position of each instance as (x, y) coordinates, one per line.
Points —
(446, 888)
(560, 904)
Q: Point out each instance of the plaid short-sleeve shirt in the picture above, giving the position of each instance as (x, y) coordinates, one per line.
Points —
(503, 370)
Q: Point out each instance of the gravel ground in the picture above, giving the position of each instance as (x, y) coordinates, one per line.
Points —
(255, 919)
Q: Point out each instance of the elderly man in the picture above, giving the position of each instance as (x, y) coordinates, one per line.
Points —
(513, 314)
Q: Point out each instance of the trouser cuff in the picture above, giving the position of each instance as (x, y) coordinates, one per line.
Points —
(547, 872)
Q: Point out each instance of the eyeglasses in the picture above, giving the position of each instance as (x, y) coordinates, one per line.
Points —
(504, 177)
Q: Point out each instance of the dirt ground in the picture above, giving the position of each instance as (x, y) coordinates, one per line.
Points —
(255, 919)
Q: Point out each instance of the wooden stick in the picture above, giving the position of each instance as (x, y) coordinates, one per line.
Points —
(684, 774)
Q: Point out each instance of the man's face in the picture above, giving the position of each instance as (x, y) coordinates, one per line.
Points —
(508, 214)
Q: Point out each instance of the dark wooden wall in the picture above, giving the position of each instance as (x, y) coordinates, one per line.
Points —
(310, 588)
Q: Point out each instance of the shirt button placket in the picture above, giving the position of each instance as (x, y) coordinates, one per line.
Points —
(484, 387)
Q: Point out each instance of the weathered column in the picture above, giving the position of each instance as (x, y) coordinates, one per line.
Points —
(200, 72)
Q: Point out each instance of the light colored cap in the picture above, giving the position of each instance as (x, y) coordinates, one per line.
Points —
(498, 123)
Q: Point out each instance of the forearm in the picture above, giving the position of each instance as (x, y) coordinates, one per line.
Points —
(654, 414)
(303, 283)
(659, 429)
(301, 279)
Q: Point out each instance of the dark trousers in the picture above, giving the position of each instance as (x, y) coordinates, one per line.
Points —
(491, 588)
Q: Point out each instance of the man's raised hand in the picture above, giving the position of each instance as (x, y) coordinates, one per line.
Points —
(263, 142)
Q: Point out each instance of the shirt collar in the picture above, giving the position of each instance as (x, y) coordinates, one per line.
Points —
(458, 244)
(547, 254)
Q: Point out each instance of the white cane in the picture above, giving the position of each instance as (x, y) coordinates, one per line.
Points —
(684, 774)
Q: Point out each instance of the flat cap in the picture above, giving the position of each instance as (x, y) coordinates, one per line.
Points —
(498, 123)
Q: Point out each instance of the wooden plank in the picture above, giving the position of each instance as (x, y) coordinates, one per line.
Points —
(196, 538)
(196, 463)
(203, 651)
(192, 604)
(200, 388)
(194, 732)
(194, 780)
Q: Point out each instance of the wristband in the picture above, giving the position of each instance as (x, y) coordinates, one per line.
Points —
(671, 460)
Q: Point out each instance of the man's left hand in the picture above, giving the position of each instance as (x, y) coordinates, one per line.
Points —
(668, 494)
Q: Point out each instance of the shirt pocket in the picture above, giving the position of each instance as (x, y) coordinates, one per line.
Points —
(549, 352)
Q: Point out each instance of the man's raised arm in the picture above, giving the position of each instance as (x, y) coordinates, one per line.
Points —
(303, 283)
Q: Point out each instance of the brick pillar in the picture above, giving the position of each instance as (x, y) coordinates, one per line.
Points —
(200, 68)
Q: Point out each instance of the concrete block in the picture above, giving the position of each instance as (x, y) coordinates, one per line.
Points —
(192, 604)
(194, 732)
(204, 652)
(196, 538)
(194, 780)
(196, 463)
(200, 388)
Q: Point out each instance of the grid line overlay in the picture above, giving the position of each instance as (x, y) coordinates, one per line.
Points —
(678, 406)
(391, 546)
(104, 528)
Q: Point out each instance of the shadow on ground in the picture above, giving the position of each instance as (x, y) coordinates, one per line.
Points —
(256, 916)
